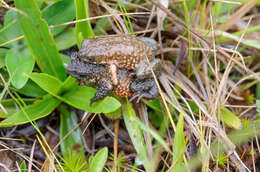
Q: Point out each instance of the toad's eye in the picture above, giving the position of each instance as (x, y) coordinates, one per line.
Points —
(91, 59)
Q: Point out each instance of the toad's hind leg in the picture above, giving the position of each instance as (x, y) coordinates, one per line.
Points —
(104, 88)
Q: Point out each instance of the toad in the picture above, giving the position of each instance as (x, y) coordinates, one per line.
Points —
(122, 51)
(128, 85)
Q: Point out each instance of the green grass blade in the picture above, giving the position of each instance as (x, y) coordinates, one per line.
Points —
(83, 29)
(72, 147)
(150, 131)
(136, 136)
(39, 109)
(178, 147)
(39, 39)
(98, 162)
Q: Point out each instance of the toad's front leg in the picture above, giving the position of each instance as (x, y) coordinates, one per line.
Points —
(104, 88)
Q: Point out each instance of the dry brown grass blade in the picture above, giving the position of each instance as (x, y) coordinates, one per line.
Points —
(142, 109)
(116, 128)
(235, 17)
(17, 151)
(31, 157)
(115, 15)
(172, 17)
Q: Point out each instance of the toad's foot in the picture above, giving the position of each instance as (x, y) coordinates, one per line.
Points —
(145, 88)
(104, 88)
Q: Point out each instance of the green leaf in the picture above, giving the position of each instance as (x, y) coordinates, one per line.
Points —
(178, 147)
(59, 13)
(154, 104)
(136, 136)
(23, 166)
(74, 95)
(114, 115)
(3, 52)
(12, 28)
(10, 107)
(98, 162)
(31, 89)
(73, 141)
(39, 39)
(39, 109)
(80, 97)
(230, 119)
(66, 39)
(47, 82)
(19, 63)
(83, 29)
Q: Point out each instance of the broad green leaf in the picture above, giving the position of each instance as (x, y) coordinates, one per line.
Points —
(74, 95)
(39, 39)
(23, 166)
(98, 162)
(178, 147)
(39, 109)
(136, 136)
(3, 52)
(114, 115)
(59, 13)
(83, 29)
(74, 140)
(47, 82)
(80, 97)
(66, 39)
(2, 34)
(12, 28)
(31, 89)
(230, 119)
(10, 107)
(18, 64)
